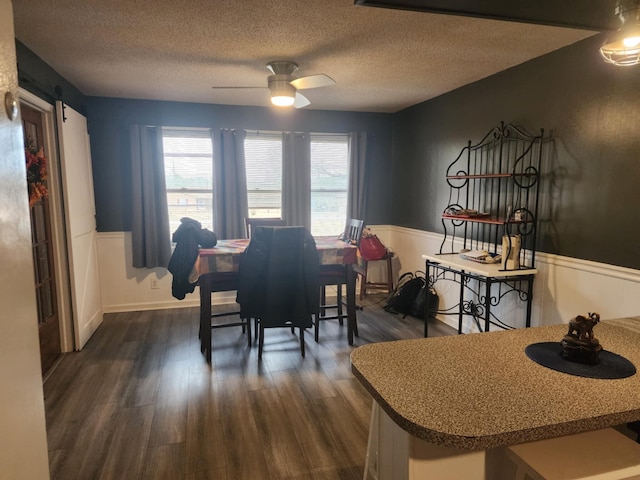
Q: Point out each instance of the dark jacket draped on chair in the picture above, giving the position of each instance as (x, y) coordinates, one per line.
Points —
(278, 277)
(188, 237)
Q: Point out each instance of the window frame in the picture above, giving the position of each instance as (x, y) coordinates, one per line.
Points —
(196, 132)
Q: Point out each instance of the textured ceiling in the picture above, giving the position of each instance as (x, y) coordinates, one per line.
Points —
(382, 60)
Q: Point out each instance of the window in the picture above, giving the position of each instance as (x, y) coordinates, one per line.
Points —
(263, 161)
(329, 179)
(188, 169)
(329, 183)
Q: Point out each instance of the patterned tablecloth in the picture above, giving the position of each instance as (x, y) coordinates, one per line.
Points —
(226, 255)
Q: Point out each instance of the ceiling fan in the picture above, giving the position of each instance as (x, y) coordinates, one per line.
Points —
(284, 86)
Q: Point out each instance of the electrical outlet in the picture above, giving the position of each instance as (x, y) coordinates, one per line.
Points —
(154, 283)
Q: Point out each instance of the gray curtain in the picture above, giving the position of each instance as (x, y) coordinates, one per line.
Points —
(230, 184)
(357, 196)
(150, 234)
(296, 179)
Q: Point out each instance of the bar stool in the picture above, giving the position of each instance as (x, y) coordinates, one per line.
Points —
(596, 455)
(362, 268)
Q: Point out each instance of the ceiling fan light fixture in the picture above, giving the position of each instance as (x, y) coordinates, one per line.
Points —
(283, 94)
(282, 100)
(283, 86)
(623, 49)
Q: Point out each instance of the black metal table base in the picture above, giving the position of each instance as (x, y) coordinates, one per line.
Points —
(483, 297)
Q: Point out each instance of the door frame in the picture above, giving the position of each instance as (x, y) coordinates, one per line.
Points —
(60, 255)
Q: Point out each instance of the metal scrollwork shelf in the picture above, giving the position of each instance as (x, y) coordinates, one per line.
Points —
(491, 215)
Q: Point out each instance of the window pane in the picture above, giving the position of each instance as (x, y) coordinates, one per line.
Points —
(263, 160)
(198, 206)
(329, 184)
(45, 302)
(188, 167)
(188, 171)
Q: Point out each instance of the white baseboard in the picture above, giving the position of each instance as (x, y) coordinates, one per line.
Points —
(191, 301)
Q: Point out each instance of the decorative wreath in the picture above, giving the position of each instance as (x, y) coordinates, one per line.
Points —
(36, 174)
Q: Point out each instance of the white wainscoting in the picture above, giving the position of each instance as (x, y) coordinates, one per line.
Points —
(563, 288)
(128, 289)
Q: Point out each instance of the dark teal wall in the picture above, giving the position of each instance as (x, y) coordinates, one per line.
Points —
(109, 120)
(40, 79)
(591, 113)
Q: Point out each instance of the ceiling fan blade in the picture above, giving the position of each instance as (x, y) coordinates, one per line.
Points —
(301, 101)
(313, 81)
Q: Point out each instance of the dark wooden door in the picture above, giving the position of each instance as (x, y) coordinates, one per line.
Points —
(42, 246)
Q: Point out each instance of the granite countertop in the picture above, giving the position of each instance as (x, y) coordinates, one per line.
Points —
(480, 390)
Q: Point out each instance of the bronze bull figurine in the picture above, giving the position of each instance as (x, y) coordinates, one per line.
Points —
(581, 327)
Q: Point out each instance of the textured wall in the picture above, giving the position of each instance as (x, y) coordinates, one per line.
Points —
(23, 442)
(591, 113)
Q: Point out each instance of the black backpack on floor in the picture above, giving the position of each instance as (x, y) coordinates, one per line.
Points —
(404, 295)
(410, 295)
(426, 294)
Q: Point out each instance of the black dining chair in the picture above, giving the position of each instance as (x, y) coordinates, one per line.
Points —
(336, 275)
(251, 223)
(278, 280)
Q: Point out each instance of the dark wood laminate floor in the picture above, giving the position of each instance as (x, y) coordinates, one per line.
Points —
(140, 402)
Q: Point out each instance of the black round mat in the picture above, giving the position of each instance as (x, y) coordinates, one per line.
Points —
(611, 365)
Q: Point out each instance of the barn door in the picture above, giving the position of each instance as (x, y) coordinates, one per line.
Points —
(79, 206)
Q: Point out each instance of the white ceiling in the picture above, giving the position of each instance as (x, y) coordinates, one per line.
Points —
(382, 60)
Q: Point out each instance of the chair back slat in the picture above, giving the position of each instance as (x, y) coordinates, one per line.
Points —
(354, 231)
(251, 223)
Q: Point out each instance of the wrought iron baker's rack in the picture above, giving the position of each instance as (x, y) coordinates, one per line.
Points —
(493, 206)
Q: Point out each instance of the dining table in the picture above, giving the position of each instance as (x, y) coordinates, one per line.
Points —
(216, 270)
